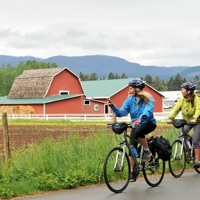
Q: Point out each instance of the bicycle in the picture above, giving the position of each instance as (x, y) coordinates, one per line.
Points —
(182, 151)
(117, 170)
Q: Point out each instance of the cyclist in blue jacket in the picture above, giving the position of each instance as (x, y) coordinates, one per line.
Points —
(140, 105)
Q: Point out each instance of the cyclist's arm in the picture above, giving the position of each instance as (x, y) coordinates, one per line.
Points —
(123, 111)
(197, 108)
(176, 109)
(148, 110)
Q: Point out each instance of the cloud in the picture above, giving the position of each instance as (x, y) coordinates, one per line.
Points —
(156, 32)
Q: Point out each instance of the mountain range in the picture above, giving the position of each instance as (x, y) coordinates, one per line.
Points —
(102, 65)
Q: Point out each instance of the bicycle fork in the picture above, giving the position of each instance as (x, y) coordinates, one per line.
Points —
(119, 164)
(176, 156)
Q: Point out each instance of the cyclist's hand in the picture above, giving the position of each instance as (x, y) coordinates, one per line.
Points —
(110, 104)
(193, 121)
(138, 121)
(169, 121)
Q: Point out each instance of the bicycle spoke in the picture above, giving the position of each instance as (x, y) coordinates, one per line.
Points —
(117, 170)
(154, 171)
(177, 162)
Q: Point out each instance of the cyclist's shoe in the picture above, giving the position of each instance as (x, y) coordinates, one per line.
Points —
(133, 177)
(197, 164)
(146, 156)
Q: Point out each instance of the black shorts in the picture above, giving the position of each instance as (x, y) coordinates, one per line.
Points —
(141, 131)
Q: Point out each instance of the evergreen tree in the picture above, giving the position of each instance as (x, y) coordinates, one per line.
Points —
(111, 76)
(148, 79)
(170, 84)
(93, 77)
(177, 82)
(81, 76)
(123, 76)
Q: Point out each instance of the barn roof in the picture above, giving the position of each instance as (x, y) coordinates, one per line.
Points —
(33, 83)
(106, 88)
(4, 100)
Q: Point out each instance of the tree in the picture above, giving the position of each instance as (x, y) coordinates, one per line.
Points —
(93, 76)
(81, 76)
(123, 76)
(177, 82)
(170, 84)
(158, 84)
(117, 76)
(111, 76)
(148, 79)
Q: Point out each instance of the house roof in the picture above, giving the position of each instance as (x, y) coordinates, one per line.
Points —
(34, 83)
(5, 100)
(106, 88)
(171, 95)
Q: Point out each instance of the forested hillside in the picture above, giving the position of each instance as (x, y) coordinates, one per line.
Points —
(9, 73)
(102, 65)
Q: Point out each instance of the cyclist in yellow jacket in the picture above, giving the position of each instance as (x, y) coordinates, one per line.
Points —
(189, 105)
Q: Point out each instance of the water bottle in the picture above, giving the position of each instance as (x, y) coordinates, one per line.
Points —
(134, 150)
(188, 143)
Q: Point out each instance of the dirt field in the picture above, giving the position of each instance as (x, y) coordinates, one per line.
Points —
(25, 135)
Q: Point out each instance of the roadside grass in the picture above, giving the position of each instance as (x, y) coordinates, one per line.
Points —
(61, 122)
(68, 162)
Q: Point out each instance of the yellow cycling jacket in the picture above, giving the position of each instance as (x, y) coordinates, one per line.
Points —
(188, 112)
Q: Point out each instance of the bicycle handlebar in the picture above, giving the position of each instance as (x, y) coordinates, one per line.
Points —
(178, 123)
(110, 125)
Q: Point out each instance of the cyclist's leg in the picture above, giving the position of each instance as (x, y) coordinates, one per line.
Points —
(140, 132)
(196, 144)
(132, 142)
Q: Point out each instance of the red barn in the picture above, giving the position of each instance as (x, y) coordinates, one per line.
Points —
(60, 91)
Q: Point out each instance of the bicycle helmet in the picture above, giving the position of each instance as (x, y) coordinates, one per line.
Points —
(118, 128)
(188, 86)
(137, 83)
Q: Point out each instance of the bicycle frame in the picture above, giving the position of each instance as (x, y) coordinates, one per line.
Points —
(117, 167)
(182, 137)
(182, 153)
(125, 144)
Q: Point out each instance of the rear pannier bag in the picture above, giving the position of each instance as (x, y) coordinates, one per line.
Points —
(163, 148)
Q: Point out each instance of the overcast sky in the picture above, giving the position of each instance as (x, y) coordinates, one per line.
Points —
(148, 32)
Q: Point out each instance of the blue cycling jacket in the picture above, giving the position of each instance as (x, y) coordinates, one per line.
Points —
(137, 109)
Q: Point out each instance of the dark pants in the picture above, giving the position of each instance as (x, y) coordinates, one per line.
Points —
(140, 132)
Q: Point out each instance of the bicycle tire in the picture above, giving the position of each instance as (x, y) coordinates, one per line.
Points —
(154, 171)
(197, 169)
(116, 180)
(177, 163)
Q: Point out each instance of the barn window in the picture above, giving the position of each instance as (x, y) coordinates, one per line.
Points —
(96, 107)
(63, 92)
(86, 102)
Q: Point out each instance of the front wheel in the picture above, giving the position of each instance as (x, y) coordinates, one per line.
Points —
(177, 162)
(154, 171)
(116, 170)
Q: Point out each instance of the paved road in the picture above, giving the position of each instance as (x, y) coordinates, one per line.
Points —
(184, 188)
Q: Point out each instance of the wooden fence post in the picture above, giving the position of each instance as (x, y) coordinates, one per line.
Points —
(6, 137)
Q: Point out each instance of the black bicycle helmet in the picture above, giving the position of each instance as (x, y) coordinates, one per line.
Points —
(188, 86)
(137, 83)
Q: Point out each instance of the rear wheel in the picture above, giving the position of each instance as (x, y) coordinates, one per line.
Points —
(154, 171)
(197, 169)
(177, 161)
(116, 170)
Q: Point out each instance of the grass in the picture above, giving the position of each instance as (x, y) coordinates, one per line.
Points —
(68, 162)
